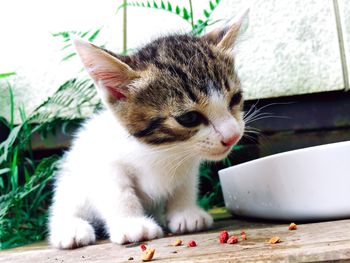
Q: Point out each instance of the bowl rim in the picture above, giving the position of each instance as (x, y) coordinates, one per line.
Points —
(291, 152)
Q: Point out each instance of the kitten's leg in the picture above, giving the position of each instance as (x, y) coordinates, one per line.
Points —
(183, 214)
(68, 225)
(69, 233)
(122, 211)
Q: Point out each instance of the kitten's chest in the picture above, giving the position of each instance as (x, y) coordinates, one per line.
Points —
(158, 180)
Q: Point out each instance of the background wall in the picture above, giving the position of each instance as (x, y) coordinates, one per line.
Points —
(290, 47)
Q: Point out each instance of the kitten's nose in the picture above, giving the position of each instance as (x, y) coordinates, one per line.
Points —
(230, 140)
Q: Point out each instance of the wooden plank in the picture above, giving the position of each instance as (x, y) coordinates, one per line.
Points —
(311, 242)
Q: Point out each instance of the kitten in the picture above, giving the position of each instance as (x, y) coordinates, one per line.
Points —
(174, 103)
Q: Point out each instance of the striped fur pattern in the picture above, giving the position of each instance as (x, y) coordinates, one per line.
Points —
(179, 73)
(133, 167)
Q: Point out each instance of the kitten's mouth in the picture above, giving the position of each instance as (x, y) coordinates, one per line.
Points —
(215, 156)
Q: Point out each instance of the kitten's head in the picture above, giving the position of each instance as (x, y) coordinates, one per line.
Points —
(178, 90)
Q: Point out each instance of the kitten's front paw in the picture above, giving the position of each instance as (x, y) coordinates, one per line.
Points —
(189, 220)
(69, 234)
(129, 230)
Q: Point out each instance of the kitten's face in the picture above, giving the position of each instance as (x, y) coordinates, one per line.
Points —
(177, 91)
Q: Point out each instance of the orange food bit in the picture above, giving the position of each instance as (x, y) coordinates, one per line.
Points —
(293, 226)
(178, 242)
(274, 240)
(232, 240)
(148, 254)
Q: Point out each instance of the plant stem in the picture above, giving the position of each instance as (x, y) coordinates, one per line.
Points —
(125, 27)
(191, 10)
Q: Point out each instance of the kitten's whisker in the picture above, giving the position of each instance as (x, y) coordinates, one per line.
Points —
(248, 116)
(252, 128)
(267, 117)
(253, 113)
(252, 107)
(253, 118)
(252, 132)
(272, 104)
(257, 114)
(251, 138)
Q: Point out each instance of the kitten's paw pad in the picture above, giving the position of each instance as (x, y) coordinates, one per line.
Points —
(189, 220)
(72, 234)
(131, 230)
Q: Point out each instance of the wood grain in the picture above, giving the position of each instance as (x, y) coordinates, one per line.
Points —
(323, 241)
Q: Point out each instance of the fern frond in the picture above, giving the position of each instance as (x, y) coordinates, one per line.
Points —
(160, 5)
(68, 35)
(75, 99)
(6, 75)
(201, 24)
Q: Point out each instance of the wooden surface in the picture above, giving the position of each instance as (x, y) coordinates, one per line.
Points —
(323, 241)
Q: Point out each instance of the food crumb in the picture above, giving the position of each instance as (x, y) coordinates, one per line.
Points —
(232, 240)
(178, 242)
(192, 243)
(130, 258)
(293, 226)
(223, 237)
(143, 247)
(243, 235)
(274, 240)
(148, 254)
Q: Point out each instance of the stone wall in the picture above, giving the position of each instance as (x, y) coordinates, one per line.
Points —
(289, 48)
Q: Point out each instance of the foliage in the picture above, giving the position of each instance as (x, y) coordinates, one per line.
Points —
(8, 74)
(208, 173)
(185, 13)
(67, 37)
(24, 194)
(214, 196)
(75, 99)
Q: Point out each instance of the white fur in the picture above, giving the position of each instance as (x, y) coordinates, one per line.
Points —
(108, 176)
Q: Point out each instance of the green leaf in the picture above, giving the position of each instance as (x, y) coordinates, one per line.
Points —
(206, 13)
(2, 185)
(94, 35)
(12, 108)
(162, 5)
(211, 5)
(155, 4)
(4, 170)
(84, 34)
(6, 75)
(177, 10)
(7, 144)
(170, 8)
(69, 56)
(66, 46)
(14, 170)
(186, 14)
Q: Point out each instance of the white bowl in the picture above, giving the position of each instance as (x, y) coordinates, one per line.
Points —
(306, 184)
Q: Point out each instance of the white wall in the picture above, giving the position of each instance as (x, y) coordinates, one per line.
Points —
(290, 47)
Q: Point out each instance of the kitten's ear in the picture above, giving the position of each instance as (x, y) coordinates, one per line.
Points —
(110, 75)
(225, 37)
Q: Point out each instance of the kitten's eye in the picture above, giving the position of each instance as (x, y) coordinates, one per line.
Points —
(236, 99)
(191, 119)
